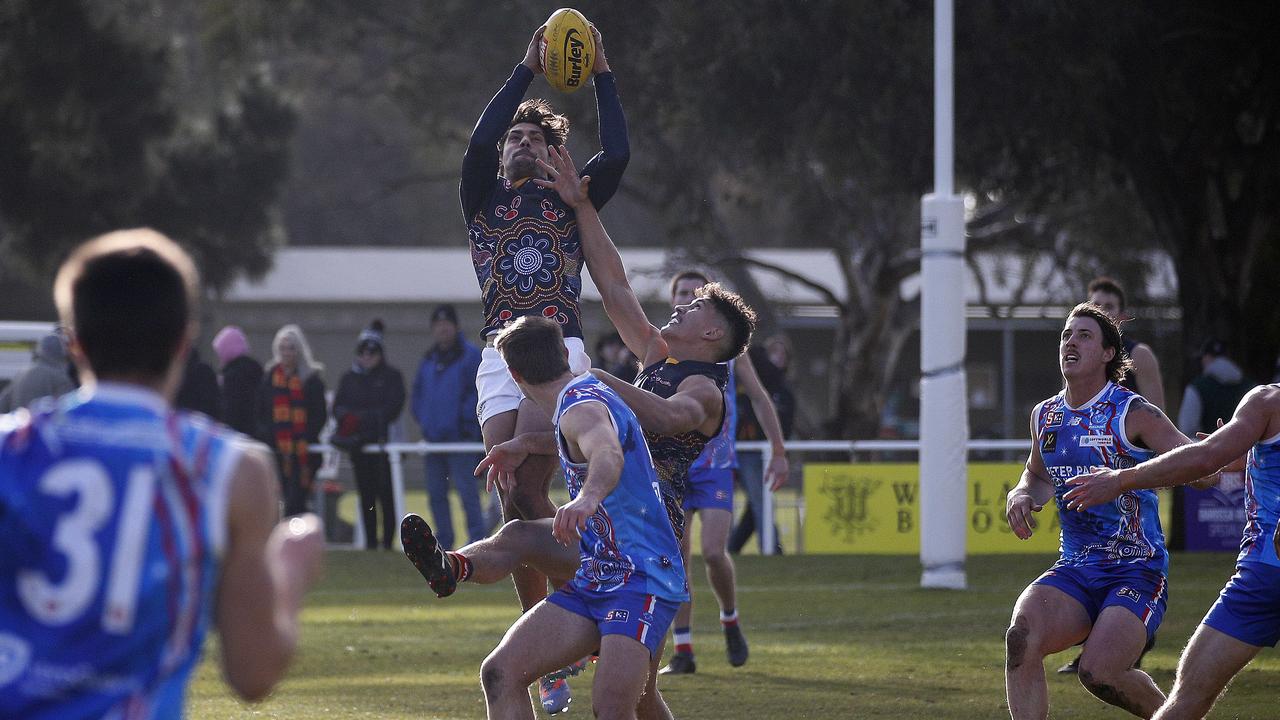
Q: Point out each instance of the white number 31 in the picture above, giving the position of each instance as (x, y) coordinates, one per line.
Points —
(60, 603)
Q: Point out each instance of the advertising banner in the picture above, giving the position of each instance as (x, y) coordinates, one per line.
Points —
(1214, 518)
(874, 509)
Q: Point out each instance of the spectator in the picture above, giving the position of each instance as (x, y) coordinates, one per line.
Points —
(616, 359)
(771, 361)
(47, 376)
(1214, 393)
(444, 404)
(1144, 378)
(370, 398)
(241, 376)
(199, 388)
(290, 411)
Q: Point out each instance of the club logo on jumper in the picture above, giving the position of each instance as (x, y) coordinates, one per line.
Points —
(1097, 441)
(1049, 442)
(1054, 418)
(573, 47)
(616, 616)
(848, 515)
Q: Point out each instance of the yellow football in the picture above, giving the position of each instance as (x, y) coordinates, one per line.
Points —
(568, 50)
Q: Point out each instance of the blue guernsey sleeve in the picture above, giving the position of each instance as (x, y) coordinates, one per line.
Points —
(607, 166)
(480, 163)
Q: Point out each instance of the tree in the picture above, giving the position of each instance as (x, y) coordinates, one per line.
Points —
(1179, 103)
(809, 124)
(90, 141)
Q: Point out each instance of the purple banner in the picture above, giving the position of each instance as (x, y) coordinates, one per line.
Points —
(1215, 517)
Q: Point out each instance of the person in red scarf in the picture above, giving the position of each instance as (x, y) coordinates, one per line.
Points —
(291, 411)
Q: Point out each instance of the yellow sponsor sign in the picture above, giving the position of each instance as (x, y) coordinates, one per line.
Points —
(874, 509)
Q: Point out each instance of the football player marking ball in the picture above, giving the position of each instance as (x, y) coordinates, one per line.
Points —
(568, 50)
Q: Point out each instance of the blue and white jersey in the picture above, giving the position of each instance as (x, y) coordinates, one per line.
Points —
(1072, 440)
(630, 538)
(112, 523)
(1261, 503)
(721, 451)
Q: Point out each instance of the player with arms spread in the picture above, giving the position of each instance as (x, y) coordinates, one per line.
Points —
(1246, 616)
(1108, 588)
(128, 527)
(629, 580)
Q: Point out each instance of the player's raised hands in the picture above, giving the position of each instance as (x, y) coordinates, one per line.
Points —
(1019, 507)
(564, 177)
(571, 519)
(533, 55)
(1099, 485)
(601, 63)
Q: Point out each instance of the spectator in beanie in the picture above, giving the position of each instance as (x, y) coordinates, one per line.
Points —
(290, 412)
(47, 376)
(1215, 392)
(241, 376)
(444, 404)
(370, 398)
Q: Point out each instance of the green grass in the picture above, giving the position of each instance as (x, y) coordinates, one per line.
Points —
(415, 500)
(831, 637)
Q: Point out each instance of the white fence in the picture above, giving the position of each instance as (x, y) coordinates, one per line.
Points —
(396, 453)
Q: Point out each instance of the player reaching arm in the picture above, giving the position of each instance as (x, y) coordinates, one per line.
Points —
(767, 414)
(1222, 451)
(605, 264)
(1244, 619)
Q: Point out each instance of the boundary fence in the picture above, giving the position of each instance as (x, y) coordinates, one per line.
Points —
(396, 453)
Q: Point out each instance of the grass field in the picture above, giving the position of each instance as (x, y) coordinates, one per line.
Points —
(831, 637)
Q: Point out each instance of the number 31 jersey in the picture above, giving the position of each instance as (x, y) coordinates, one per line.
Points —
(112, 524)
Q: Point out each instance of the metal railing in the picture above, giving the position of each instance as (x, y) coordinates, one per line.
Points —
(397, 451)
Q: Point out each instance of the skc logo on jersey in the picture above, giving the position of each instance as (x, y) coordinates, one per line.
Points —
(616, 616)
(1054, 418)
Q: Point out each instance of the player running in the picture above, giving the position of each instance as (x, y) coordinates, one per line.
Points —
(629, 580)
(710, 497)
(1246, 616)
(528, 260)
(1108, 587)
(128, 527)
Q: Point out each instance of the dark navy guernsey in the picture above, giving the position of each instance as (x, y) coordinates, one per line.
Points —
(673, 454)
(524, 239)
